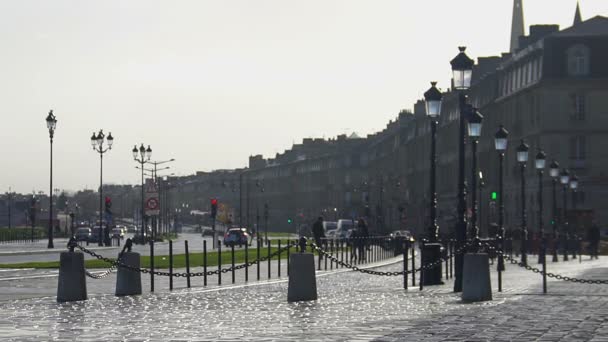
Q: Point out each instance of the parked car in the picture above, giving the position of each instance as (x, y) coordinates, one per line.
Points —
(344, 228)
(329, 225)
(206, 231)
(401, 233)
(83, 234)
(117, 233)
(236, 236)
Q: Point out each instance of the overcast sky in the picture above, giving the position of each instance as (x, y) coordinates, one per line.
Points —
(211, 82)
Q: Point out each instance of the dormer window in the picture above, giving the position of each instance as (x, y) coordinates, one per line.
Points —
(578, 60)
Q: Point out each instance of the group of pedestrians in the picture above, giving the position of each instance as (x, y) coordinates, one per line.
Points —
(357, 237)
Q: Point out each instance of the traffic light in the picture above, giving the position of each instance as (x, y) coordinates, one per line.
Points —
(289, 220)
(213, 207)
(108, 204)
(494, 195)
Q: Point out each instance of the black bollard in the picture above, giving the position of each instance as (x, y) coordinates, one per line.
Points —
(259, 262)
(219, 263)
(170, 265)
(205, 263)
(413, 265)
(151, 265)
(232, 259)
(279, 260)
(246, 263)
(405, 262)
(187, 264)
(288, 248)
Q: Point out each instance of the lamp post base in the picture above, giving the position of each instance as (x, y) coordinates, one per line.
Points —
(431, 253)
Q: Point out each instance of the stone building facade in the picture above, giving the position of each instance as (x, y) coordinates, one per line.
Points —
(552, 91)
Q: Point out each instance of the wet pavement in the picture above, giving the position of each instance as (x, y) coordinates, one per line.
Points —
(351, 306)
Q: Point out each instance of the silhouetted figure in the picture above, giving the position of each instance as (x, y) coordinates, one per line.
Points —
(318, 232)
(594, 240)
(363, 234)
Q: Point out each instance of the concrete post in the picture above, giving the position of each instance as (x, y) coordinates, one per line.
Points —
(302, 278)
(72, 285)
(476, 285)
(128, 282)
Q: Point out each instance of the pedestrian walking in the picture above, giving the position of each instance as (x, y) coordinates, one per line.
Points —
(318, 231)
(363, 235)
(354, 244)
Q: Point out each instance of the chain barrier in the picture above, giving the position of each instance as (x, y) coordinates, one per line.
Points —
(390, 274)
(177, 275)
(549, 274)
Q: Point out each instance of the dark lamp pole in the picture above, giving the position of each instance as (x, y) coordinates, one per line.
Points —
(564, 179)
(574, 235)
(462, 69)
(51, 124)
(432, 99)
(474, 131)
(142, 156)
(554, 173)
(539, 164)
(97, 142)
(500, 143)
(522, 158)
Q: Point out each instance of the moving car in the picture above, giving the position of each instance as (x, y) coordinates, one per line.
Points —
(83, 234)
(401, 233)
(236, 236)
(118, 233)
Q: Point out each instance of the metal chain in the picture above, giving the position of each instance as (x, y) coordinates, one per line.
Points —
(549, 274)
(390, 274)
(177, 275)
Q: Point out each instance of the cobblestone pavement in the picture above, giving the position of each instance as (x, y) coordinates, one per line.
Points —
(351, 307)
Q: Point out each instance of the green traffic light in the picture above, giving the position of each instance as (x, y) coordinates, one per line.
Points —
(288, 220)
(494, 195)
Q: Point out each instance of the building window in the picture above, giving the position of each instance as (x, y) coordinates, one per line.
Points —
(578, 107)
(578, 60)
(577, 147)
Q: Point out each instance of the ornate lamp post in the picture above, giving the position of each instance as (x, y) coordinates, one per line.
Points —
(474, 131)
(500, 143)
(97, 142)
(142, 156)
(432, 250)
(433, 108)
(522, 158)
(51, 124)
(564, 178)
(574, 235)
(539, 164)
(554, 173)
(462, 69)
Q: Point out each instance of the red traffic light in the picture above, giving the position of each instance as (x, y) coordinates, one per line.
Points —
(108, 200)
(213, 201)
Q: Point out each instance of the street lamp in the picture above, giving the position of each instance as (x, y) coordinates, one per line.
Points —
(51, 124)
(142, 156)
(474, 130)
(564, 178)
(554, 173)
(432, 251)
(462, 68)
(574, 235)
(432, 99)
(500, 143)
(97, 142)
(522, 158)
(539, 164)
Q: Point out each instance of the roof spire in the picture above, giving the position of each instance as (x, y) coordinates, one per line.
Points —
(577, 15)
(517, 24)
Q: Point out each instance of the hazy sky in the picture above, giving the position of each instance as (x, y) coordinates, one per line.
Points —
(211, 82)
